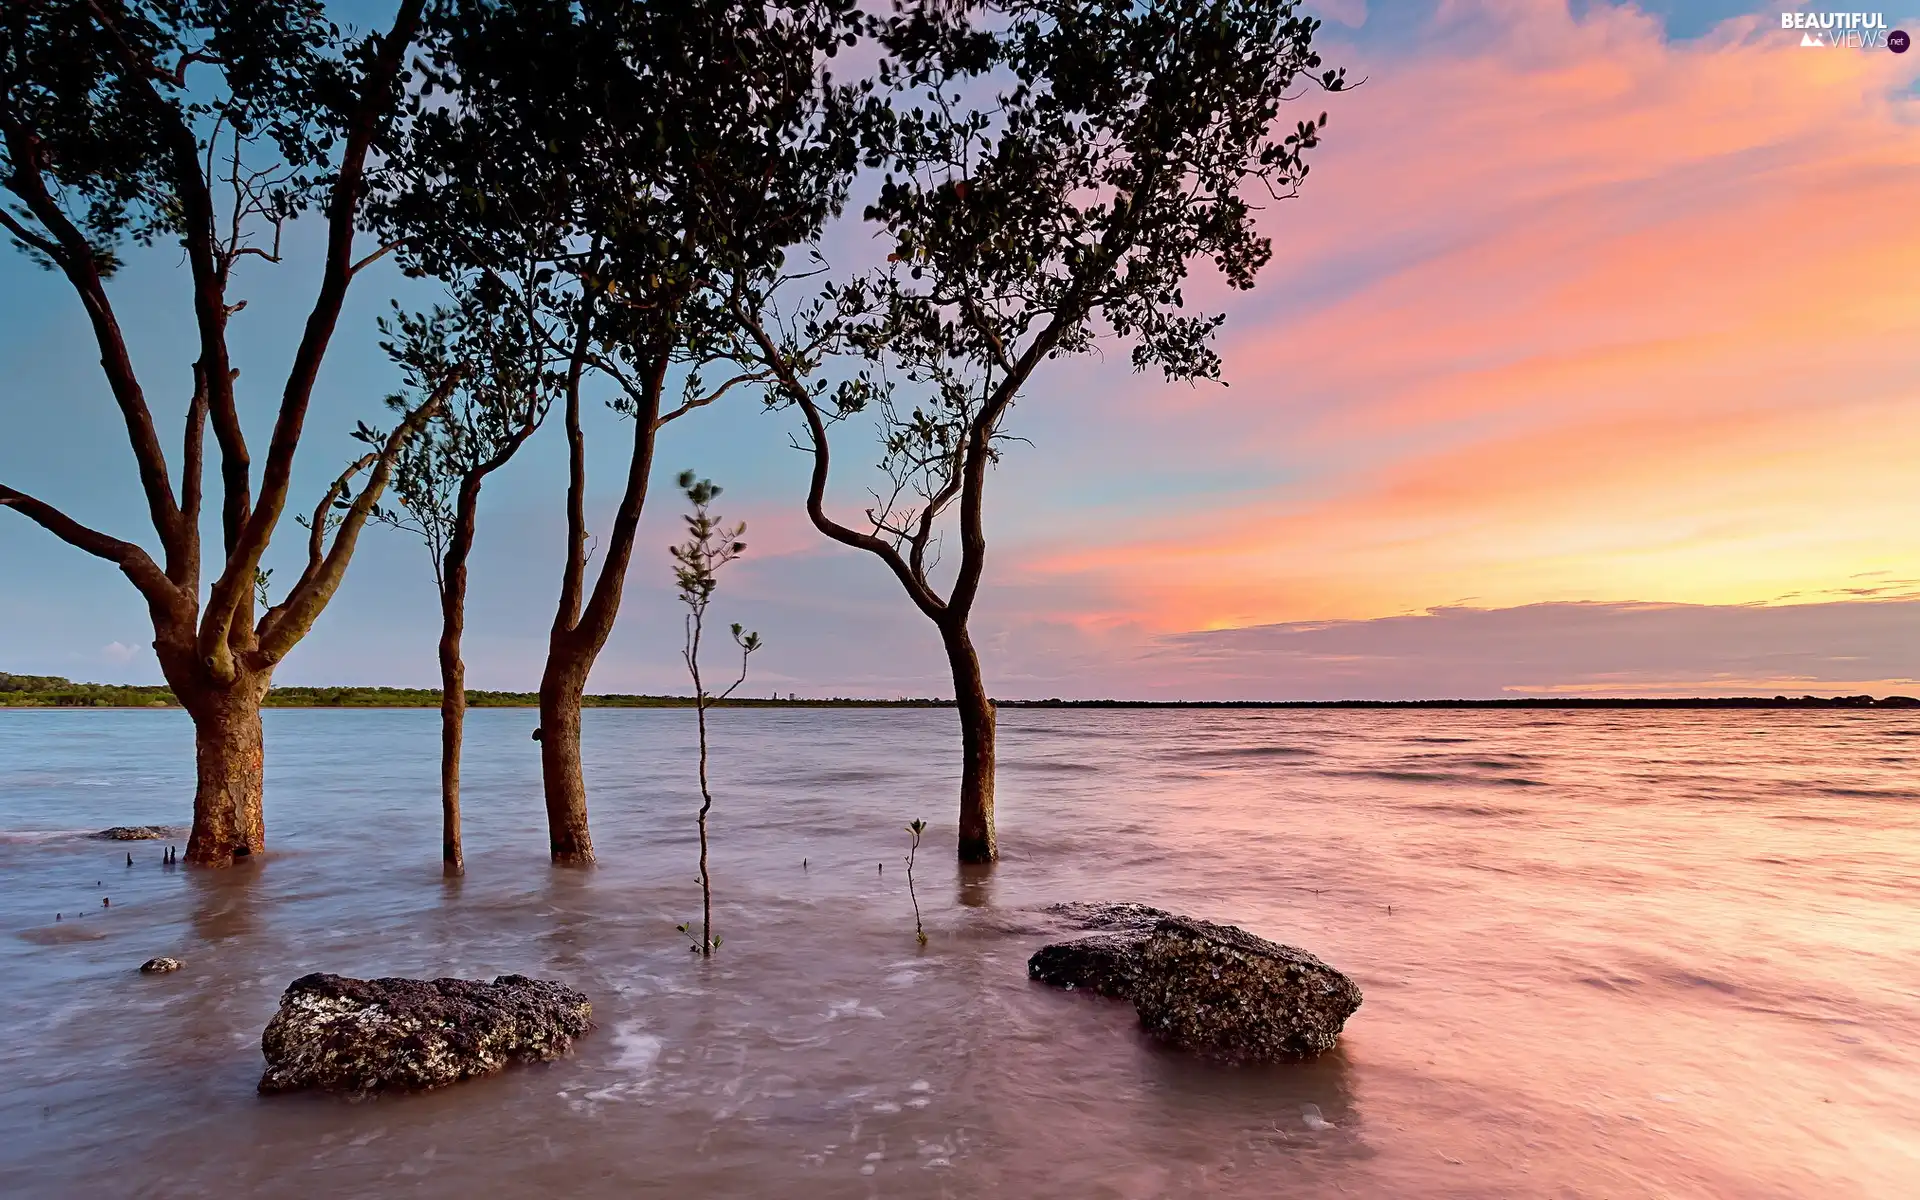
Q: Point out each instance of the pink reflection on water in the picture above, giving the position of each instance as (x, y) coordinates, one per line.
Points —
(1644, 954)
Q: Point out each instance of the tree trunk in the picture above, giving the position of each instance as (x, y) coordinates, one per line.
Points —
(561, 686)
(230, 757)
(453, 669)
(706, 805)
(582, 623)
(453, 719)
(978, 842)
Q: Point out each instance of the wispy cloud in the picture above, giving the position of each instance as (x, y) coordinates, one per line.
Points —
(1620, 649)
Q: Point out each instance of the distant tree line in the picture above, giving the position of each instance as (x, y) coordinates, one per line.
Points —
(41, 691)
(27, 691)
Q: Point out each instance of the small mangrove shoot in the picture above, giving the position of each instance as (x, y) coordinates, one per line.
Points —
(916, 828)
(710, 545)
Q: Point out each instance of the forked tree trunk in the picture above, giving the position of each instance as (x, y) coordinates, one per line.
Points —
(229, 820)
(220, 666)
(561, 687)
(582, 623)
(978, 842)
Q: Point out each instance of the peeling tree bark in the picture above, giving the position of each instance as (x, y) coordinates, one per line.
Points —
(229, 820)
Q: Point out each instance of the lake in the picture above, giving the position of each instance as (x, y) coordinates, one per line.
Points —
(1604, 953)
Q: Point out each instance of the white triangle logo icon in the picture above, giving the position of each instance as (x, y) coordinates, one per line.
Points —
(1811, 39)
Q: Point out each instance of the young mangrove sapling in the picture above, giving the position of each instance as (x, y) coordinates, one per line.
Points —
(916, 828)
(710, 545)
(506, 382)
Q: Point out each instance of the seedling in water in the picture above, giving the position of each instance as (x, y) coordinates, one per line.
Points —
(709, 546)
(917, 828)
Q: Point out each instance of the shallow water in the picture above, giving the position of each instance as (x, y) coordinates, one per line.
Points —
(1605, 954)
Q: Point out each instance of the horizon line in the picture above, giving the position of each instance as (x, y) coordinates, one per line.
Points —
(45, 691)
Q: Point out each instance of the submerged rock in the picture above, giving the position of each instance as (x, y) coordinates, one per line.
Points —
(1223, 992)
(1213, 989)
(362, 1036)
(136, 833)
(1102, 964)
(160, 966)
(1136, 918)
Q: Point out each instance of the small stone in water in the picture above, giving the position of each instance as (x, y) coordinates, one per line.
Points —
(134, 833)
(160, 966)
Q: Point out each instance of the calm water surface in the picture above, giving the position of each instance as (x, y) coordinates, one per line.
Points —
(1605, 954)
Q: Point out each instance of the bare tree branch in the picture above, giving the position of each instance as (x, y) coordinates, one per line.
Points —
(134, 562)
(31, 238)
(573, 576)
(790, 383)
(233, 587)
(184, 568)
(78, 261)
(191, 187)
(283, 627)
(317, 530)
(707, 398)
(376, 256)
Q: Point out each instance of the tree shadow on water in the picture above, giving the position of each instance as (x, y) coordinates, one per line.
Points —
(571, 900)
(974, 885)
(225, 903)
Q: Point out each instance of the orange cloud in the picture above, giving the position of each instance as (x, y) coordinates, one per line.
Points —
(1566, 311)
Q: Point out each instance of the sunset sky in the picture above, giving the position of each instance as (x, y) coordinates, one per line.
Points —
(1589, 362)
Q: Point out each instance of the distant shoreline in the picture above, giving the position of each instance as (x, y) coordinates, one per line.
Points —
(27, 691)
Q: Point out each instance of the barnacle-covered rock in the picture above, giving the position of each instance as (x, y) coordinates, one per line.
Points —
(1224, 993)
(361, 1036)
(1102, 964)
(136, 833)
(1126, 917)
